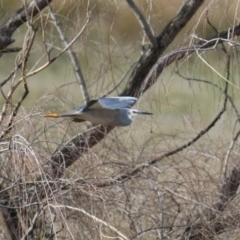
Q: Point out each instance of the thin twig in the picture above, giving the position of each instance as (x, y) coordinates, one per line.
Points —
(26, 51)
(91, 216)
(20, 17)
(11, 50)
(72, 54)
(225, 161)
(10, 75)
(214, 85)
(33, 72)
(143, 22)
(30, 229)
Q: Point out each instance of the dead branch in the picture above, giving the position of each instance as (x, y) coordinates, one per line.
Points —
(72, 55)
(65, 156)
(142, 75)
(143, 22)
(26, 52)
(216, 224)
(17, 19)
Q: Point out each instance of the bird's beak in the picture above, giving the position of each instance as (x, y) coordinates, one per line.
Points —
(146, 113)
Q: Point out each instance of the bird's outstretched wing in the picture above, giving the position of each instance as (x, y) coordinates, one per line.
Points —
(110, 103)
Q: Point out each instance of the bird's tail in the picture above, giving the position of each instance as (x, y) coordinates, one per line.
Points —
(73, 115)
(52, 115)
(55, 115)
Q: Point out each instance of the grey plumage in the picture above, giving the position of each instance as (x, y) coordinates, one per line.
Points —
(112, 111)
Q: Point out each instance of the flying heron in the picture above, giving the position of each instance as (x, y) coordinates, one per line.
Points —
(111, 111)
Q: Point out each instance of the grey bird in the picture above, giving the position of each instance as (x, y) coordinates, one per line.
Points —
(111, 111)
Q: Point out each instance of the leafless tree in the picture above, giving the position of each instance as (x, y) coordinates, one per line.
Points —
(153, 180)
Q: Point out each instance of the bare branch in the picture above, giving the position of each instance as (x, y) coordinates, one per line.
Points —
(150, 58)
(11, 50)
(26, 52)
(20, 17)
(206, 44)
(143, 22)
(31, 73)
(121, 235)
(72, 55)
(66, 155)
